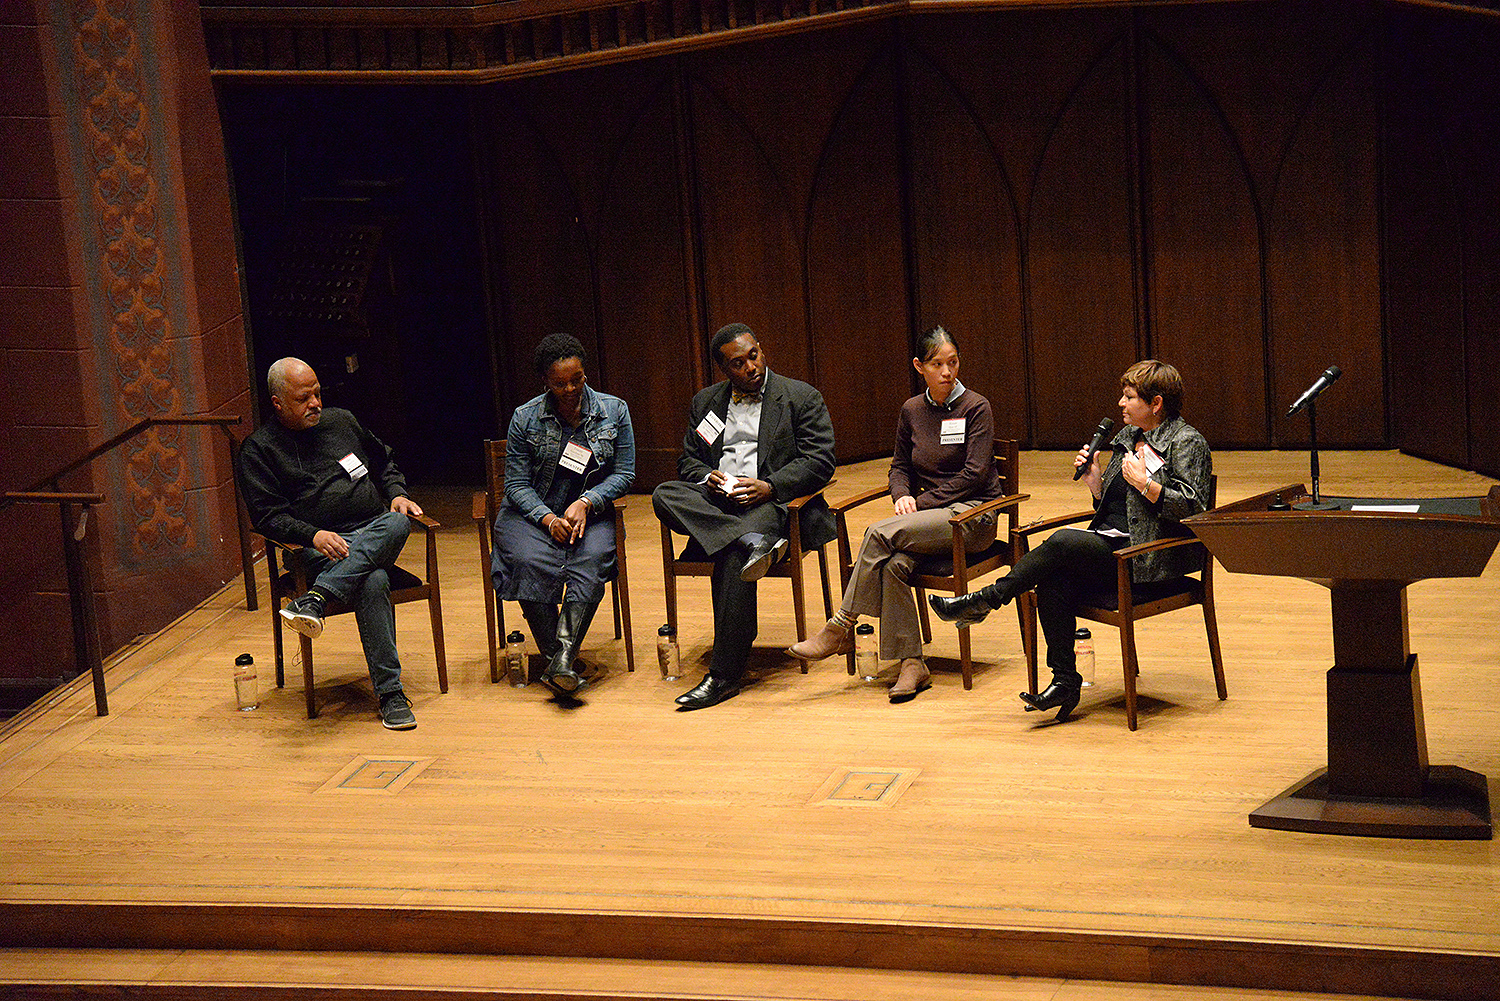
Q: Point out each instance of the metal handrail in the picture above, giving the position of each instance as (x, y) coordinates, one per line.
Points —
(80, 590)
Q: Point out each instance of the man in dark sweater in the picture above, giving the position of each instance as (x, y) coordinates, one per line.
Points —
(316, 477)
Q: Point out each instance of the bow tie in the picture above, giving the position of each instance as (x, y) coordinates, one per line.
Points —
(736, 396)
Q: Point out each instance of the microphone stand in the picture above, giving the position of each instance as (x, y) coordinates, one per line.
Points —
(1317, 503)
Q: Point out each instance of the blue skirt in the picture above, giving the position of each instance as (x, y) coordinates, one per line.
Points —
(527, 564)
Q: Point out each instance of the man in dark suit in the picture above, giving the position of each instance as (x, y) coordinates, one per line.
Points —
(754, 442)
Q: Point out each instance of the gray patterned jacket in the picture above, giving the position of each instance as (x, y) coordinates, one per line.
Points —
(1184, 479)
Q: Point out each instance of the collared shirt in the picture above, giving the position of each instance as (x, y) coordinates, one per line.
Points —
(742, 437)
(951, 401)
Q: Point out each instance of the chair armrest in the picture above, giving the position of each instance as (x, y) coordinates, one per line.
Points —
(427, 524)
(797, 503)
(1012, 501)
(1027, 531)
(291, 547)
(849, 503)
(480, 508)
(1158, 546)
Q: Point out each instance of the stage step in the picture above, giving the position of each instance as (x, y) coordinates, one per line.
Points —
(194, 975)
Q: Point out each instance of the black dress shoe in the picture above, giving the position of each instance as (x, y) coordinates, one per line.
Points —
(710, 692)
(1054, 696)
(962, 610)
(763, 556)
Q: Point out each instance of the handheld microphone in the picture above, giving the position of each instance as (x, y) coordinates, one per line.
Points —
(1324, 381)
(1100, 434)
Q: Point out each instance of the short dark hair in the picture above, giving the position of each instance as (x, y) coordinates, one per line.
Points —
(554, 348)
(728, 332)
(932, 340)
(1151, 378)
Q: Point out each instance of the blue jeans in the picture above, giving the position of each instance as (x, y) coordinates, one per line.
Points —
(360, 580)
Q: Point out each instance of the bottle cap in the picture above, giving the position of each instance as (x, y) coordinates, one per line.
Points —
(515, 636)
(243, 659)
(1082, 634)
(666, 630)
(864, 629)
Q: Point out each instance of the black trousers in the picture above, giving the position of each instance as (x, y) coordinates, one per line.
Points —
(690, 509)
(1070, 565)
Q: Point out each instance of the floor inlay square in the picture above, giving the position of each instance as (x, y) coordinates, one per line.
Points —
(850, 786)
(376, 775)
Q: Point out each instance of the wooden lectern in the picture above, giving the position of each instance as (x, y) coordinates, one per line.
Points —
(1378, 781)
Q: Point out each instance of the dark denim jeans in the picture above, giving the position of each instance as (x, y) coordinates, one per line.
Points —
(360, 580)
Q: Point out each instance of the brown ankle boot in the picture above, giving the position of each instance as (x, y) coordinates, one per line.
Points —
(914, 677)
(831, 639)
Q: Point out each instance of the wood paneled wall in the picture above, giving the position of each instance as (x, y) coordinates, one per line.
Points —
(1065, 191)
(1252, 191)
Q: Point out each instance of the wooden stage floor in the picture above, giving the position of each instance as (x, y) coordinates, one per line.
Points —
(623, 829)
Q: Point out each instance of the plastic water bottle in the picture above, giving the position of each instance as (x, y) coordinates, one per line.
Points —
(515, 658)
(667, 653)
(1083, 655)
(866, 656)
(246, 687)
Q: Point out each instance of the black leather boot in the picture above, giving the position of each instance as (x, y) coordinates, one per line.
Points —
(1054, 696)
(572, 624)
(541, 619)
(968, 609)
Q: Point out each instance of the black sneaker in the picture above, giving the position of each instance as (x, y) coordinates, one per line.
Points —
(395, 712)
(304, 613)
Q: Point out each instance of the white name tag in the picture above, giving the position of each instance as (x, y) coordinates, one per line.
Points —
(710, 427)
(954, 430)
(353, 466)
(575, 457)
(1151, 458)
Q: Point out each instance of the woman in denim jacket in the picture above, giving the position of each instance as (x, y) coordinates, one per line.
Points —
(569, 453)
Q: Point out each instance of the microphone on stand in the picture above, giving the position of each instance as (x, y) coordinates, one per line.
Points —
(1329, 376)
(1101, 433)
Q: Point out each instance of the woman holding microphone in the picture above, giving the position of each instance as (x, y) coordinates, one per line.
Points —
(1156, 474)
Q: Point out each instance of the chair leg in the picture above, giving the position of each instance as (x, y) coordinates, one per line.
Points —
(307, 676)
(964, 659)
(1028, 637)
(622, 600)
(494, 610)
(1026, 608)
(1211, 624)
(435, 612)
(1131, 667)
(922, 615)
(799, 596)
(276, 637)
(827, 586)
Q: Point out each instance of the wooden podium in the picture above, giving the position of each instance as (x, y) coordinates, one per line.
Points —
(1378, 781)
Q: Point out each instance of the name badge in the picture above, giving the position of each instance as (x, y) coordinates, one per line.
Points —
(353, 466)
(1152, 458)
(575, 457)
(953, 431)
(710, 428)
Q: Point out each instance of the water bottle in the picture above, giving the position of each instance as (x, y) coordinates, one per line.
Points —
(1083, 655)
(515, 658)
(667, 653)
(866, 656)
(246, 688)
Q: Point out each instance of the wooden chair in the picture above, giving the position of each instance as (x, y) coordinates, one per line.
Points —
(1129, 602)
(955, 570)
(485, 507)
(694, 562)
(405, 586)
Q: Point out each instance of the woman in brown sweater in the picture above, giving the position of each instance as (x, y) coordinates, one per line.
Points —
(943, 465)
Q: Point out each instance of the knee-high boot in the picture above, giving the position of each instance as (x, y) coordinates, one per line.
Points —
(541, 617)
(572, 625)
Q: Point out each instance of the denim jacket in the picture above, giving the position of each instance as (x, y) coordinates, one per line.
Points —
(535, 442)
